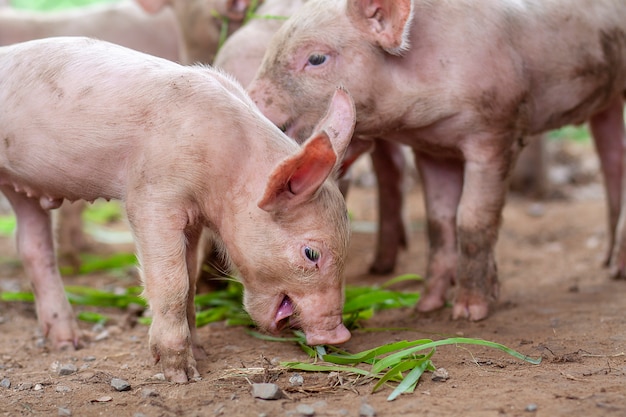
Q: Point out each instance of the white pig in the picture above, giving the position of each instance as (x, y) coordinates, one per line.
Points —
(241, 56)
(184, 148)
(124, 23)
(463, 83)
(201, 23)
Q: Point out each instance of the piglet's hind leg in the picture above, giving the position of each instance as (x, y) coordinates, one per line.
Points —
(35, 246)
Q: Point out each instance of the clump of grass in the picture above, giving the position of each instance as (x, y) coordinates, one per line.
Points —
(398, 362)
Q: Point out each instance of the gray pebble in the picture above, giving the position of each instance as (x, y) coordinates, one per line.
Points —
(89, 358)
(5, 383)
(366, 410)
(120, 384)
(266, 391)
(25, 386)
(305, 410)
(67, 369)
(531, 408)
(536, 210)
(149, 392)
(440, 375)
(296, 380)
(64, 412)
(62, 388)
(37, 387)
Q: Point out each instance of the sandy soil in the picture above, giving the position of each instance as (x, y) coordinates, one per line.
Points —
(556, 302)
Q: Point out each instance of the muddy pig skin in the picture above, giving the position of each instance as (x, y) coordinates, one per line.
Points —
(241, 56)
(463, 83)
(201, 22)
(86, 119)
(124, 23)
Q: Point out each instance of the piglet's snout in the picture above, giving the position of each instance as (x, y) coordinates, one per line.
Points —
(338, 335)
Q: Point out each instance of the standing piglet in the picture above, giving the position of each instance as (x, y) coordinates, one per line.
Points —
(241, 56)
(463, 83)
(85, 119)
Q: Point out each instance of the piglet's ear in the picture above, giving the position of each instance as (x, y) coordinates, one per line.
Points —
(385, 22)
(152, 6)
(297, 178)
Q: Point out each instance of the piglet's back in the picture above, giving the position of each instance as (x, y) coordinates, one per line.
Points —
(78, 98)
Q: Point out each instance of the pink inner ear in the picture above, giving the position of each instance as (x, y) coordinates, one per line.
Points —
(298, 177)
(318, 162)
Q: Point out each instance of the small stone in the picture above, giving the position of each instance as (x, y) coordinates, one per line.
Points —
(89, 358)
(67, 369)
(440, 375)
(120, 384)
(536, 210)
(37, 387)
(531, 408)
(5, 383)
(102, 335)
(25, 386)
(62, 388)
(296, 380)
(149, 392)
(64, 412)
(305, 410)
(158, 377)
(366, 410)
(266, 391)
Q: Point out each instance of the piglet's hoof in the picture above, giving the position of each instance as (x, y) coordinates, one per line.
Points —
(430, 302)
(470, 307)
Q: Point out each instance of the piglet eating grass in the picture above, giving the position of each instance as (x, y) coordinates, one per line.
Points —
(187, 152)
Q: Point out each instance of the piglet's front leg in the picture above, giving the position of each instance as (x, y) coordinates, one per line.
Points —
(478, 221)
(161, 248)
(35, 246)
(388, 162)
(442, 181)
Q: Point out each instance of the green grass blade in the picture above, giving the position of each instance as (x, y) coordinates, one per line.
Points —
(370, 354)
(92, 263)
(7, 225)
(395, 357)
(395, 373)
(410, 381)
(310, 367)
(17, 296)
(92, 317)
(402, 278)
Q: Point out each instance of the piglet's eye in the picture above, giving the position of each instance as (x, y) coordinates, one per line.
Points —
(317, 59)
(311, 254)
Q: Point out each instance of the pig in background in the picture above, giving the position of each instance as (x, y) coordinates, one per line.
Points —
(241, 56)
(124, 23)
(463, 83)
(172, 133)
(200, 22)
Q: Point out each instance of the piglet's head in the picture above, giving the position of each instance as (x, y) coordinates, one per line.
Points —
(302, 226)
(328, 43)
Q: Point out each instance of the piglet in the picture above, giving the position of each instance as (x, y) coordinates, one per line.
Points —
(241, 56)
(465, 83)
(124, 23)
(202, 24)
(185, 149)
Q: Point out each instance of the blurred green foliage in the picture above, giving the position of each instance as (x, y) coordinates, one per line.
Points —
(45, 5)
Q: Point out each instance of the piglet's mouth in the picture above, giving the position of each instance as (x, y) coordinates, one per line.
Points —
(283, 313)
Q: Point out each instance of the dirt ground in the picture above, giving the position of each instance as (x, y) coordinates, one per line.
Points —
(557, 302)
